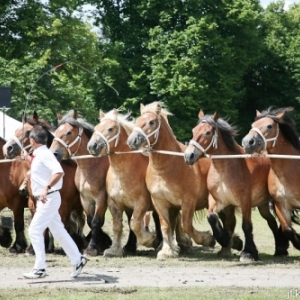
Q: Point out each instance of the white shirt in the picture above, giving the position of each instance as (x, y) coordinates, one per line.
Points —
(43, 165)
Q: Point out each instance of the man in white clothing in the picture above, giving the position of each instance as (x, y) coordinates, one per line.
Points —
(46, 181)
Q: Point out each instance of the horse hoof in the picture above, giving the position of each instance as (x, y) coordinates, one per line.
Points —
(224, 252)
(129, 250)
(113, 253)
(237, 243)
(281, 253)
(90, 252)
(247, 257)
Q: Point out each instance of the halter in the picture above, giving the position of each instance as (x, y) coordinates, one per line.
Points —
(265, 141)
(78, 138)
(107, 141)
(213, 142)
(18, 142)
(146, 136)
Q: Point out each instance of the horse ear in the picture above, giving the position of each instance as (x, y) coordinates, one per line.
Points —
(101, 114)
(142, 106)
(216, 116)
(35, 117)
(258, 113)
(59, 116)
(158, 108)
(75, 114)
(287, 109)
(115, 111)
(201, 114)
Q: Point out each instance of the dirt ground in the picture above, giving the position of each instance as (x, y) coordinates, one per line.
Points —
(155, 277)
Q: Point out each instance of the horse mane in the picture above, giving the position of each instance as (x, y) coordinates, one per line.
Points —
(68, 118)
(45, 124)
(286, 124)
(122, 119)
(228, 132)
(151, 107)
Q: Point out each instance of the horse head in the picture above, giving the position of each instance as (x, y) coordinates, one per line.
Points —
(109, 133)
(20, 140)
(205, 138)
(69, 135)
(265, 130)
(147, 127)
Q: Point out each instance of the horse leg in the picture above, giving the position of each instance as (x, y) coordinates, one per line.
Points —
(144, 237)
(284, 217)
(131, 245)
(117, 216)
(281, 241)
(249, 252)
(204, 238)
(169, 248)
(184, 241)
(20, 243)
(228, 238)
(99, 240)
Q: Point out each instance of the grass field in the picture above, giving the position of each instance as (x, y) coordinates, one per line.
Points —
(199, 256)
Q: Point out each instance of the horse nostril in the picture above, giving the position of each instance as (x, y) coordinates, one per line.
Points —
(251, 142)
(9, 148)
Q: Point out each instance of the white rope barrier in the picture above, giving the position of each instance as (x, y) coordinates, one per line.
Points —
(281, 156)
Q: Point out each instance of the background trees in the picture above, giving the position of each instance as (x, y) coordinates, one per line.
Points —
(230, 55)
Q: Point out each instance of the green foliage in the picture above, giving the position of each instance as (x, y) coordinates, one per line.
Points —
(229, 56)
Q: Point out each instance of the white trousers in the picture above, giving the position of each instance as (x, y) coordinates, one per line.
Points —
(47, 215)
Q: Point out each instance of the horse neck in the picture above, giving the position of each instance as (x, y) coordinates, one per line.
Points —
(82, 150)
(283, 147)
(166, 141)
(223, 149)
(116, 159)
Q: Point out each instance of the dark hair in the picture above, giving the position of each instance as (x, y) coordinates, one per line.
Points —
(39, 134)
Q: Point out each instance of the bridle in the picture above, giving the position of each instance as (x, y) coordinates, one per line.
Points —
(68, 146)
(154, 133)
(18, 142)
(213, 142)
(265, 141)
(113, 138)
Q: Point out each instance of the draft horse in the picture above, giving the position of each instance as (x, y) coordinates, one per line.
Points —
(71, 210)
(240, 182)
(12, 174)
(173, 185)
(274, 131)
(125, 181)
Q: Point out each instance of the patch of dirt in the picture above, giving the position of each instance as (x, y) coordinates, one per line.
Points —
(154, 277)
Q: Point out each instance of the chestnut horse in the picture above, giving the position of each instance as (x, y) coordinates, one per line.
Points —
(241, 182)
(274, 131)
(70, 205)
(125, 181)
(12, 174)
(173, 185)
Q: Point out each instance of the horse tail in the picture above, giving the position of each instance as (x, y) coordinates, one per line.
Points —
(295, 216)
(77, 222)
(199, 215)
(5, 237)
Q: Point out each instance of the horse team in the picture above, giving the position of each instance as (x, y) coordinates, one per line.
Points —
(170, 179)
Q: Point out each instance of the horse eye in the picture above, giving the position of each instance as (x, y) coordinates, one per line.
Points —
(27, 133)
(151, 122)
(208, 133)
(111, 129)
(270, 126)
(69, 133)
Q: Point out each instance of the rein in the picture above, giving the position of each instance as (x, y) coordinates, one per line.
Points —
(265, 141)
(213, 142)
(68, 146)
